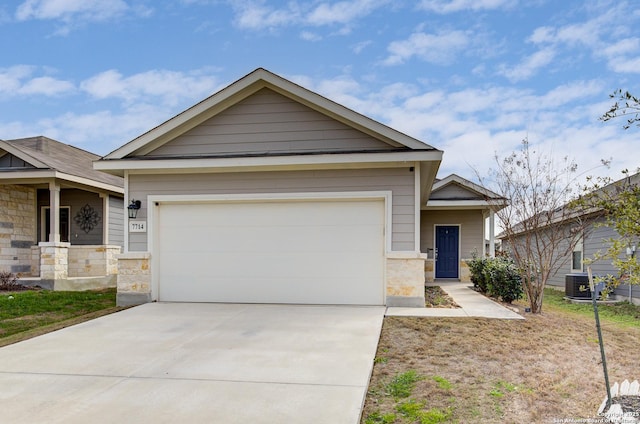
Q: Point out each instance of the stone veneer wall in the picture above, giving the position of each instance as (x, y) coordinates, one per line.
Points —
(17, 228)
(54, 259)
(93, 261)
(134, 278)
(405, 279)
(429, 271)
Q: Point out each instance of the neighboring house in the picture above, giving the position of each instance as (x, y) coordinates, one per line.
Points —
(594, 239)
(455, 223)
(267, 192)
(75, 246)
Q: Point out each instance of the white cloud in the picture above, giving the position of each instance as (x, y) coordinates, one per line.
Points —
(342, 12)
(255, 15)
(450, 6)
(440, 48)
(259, 15)
(604, 36)
(529, 66)
(46, 86)
(310, 36)
(169, 87)
(359, 47)
(93, 10)
(19, 80)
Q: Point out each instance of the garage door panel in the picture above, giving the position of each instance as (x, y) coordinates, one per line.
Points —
(286, 252)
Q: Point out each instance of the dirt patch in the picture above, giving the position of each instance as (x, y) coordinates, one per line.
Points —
(435, 297)
(542, 369)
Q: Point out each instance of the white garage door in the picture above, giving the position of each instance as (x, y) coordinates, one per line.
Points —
(312, 252)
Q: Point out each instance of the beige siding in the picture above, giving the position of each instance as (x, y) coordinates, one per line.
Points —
(398, 180)
(454, 191)
(267, 122)
(471, 230)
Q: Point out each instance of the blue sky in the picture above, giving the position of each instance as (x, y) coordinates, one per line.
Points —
(470, 77)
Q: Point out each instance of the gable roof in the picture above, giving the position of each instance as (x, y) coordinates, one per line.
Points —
(245, 87)
(455, 192)
(42, 157)
(137, 155)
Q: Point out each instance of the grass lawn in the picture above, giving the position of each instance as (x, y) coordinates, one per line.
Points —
(468, 370)
(29, 313)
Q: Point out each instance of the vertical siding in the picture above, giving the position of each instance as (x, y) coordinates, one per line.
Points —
(400, 181)
(116, 221)
(471, 230)
(268, 122)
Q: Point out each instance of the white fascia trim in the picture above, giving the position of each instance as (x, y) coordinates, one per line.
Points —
(126, 214)
(38, 176)
(266, 197)
(457, 204)
(416, 198)
(470, 185)
(28, 175)
(89, 182)
(22, 155)
(273, 162)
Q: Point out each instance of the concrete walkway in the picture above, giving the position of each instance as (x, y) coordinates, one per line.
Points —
(472, 304)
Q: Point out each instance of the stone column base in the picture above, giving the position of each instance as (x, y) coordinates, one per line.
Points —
(134, 278)
(405, 279)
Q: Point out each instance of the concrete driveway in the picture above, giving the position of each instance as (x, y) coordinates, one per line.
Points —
(196, 363)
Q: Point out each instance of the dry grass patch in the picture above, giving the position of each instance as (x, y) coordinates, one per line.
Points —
(499, 371)
(435, 297)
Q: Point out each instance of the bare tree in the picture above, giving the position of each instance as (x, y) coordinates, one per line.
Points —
(540, 228)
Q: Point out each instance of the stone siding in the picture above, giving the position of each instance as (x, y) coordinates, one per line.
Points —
(430, 272)
(54, 260)
(134, 278)
(17, 228)
(405, 279)
(93, 261)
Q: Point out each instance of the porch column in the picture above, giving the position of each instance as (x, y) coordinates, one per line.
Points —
(54, 212)
(492, 235)
(105, 218)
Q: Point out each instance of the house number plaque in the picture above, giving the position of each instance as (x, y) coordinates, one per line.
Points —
(137, 226)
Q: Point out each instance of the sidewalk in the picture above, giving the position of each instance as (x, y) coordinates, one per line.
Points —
(472, 304)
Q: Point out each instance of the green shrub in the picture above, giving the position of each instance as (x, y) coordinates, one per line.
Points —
(497, 277)
(504, 279)
(479, 278)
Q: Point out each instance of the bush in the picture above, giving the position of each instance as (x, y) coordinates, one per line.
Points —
(477, 266)
(497, 277)
(504, 280)
(8, 280)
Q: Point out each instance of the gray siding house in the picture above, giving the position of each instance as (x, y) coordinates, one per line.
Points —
(75, 246)
(593, 240)
(267, 192)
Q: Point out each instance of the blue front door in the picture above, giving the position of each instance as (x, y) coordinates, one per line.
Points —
(447, 261)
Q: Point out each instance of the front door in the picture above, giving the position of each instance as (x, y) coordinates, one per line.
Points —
(447, 261)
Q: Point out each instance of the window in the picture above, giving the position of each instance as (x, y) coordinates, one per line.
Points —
(65, 223)
(576, 257)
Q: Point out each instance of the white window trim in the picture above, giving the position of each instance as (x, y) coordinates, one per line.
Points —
(43, 222)
(579, 247)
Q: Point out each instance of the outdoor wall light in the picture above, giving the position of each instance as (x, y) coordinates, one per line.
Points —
(133, 208)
